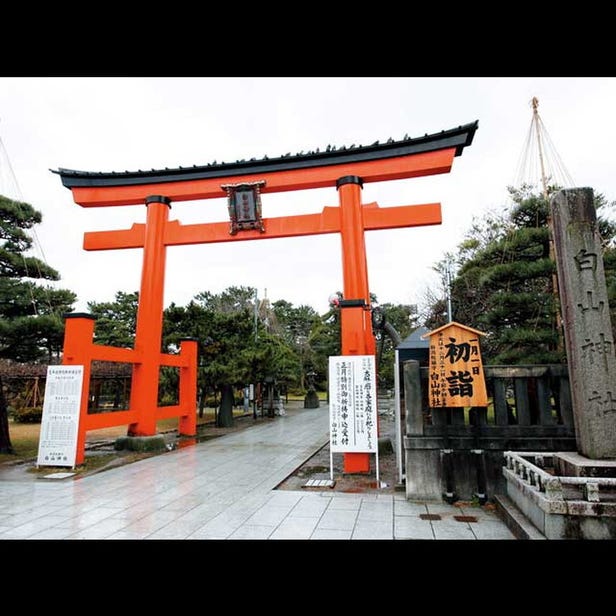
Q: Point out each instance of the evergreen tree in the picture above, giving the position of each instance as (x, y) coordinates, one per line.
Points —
(504, 282)
(297, 326)
(116, 321)
(230, 356)
(31, 324)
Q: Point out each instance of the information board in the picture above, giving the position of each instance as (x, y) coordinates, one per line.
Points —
(353, 404)
(60, 421)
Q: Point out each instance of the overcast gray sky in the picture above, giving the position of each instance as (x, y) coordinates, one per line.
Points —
(118, 124)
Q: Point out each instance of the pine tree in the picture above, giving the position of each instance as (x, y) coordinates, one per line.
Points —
(504, 282)
(31, 325)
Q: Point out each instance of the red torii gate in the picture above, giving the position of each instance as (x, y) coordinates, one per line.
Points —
(346, 168)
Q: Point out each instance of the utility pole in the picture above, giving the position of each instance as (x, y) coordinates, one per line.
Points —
(256, 311)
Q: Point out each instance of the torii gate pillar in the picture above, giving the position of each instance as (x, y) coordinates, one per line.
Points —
(149, 326)
(356, 323)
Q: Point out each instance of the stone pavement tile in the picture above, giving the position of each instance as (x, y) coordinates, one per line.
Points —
(295, 528)
(100, 530)
(201, 514)
(95, 504)
(134, 512)
(33, 514)
(49, 521)
(443, 509)
(452, 530)
(79, 522)
(212, 533)
(376, 512)
(52, 533)
(176, 529)
(151, 523)
(338, 519)
(24, 531)
(15, 520)
(491, 530)
(268, 516)
(373, 530)
(129, 535)
(309, 507)
(331, 534)
(341, 502)
(39, 523)
(219, 527)
(252, 500)
(252, 531)
(281, 498)
(408, 508)
(184, 503)
(369, 497)
(412, 527)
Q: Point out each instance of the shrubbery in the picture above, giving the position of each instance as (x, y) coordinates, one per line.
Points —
(33, 414)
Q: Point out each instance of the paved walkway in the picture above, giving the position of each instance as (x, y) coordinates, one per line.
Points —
(224, 489)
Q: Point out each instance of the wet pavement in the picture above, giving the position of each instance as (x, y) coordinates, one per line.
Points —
(225, 488)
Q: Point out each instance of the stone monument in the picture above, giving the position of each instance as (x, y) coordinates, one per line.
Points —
(586, 320)
(572, 495)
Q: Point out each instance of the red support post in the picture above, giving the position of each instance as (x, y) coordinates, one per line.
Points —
(356, 322)
(188, 388)
(78, 334)
(148, 335)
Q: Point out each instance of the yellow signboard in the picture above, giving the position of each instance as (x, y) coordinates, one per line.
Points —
(456, 371)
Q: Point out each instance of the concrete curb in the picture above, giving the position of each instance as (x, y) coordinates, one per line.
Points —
(515, 520)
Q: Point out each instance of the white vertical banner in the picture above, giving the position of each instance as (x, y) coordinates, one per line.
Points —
(352, 404)
(60, 421)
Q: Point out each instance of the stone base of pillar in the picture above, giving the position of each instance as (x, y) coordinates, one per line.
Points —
(572, 464)
(141, 443)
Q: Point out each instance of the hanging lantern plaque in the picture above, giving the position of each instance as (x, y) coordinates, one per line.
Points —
(245, 206)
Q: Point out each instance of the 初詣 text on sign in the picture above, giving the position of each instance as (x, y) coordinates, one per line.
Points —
(456, 370)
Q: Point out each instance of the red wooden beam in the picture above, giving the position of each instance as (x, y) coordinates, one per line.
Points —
(382, 170)
(328, 221)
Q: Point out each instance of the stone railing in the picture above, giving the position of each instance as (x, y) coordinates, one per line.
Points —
(559, 489)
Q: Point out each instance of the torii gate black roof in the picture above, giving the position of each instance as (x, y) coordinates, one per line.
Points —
(458, 138)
